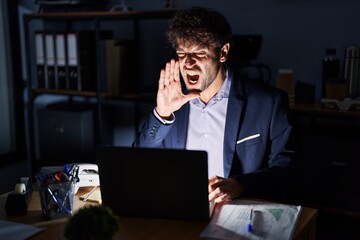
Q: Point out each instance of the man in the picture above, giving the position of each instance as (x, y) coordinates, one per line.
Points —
(243, 125)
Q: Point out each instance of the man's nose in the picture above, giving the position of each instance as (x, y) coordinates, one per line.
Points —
(189, 60)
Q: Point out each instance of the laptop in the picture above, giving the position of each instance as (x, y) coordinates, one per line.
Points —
(154, 182)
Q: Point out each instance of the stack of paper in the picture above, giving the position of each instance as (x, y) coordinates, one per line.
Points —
(268, 221)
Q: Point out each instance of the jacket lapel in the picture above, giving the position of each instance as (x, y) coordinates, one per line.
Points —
(182, 125)
(235, 110)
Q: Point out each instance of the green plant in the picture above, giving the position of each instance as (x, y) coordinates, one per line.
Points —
(92, 223)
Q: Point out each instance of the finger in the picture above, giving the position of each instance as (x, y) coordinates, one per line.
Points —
(161, 79)
(214, 194)
(221, 198)
(177, 72)
(167, 74)
(218, 195)
(191, 96)
(172, 70)
(213, 179)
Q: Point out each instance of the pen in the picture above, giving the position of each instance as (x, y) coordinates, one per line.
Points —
(87, 196)
(64, 202)
(66, 166)
(58, 201)
(249, 226)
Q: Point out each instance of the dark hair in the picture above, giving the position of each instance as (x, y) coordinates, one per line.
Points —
(199, 26)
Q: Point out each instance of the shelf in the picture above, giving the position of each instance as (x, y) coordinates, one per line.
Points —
(145, 97)
(64, 92)
(106, 32)
(103, 15)
(317, 109)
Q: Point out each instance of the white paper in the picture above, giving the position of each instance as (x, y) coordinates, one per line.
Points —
(269, 221)
(17, 231)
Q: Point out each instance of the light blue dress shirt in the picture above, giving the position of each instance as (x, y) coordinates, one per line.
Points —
(207, 126)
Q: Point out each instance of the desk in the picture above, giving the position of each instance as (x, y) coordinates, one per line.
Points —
(141, 228)
(327, 143)
(317, 110)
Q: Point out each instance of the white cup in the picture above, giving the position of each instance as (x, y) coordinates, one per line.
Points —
(20, 188)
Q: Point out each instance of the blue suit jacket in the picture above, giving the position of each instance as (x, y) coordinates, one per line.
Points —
(257, 148)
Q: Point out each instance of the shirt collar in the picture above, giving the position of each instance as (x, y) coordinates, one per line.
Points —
(222, 93)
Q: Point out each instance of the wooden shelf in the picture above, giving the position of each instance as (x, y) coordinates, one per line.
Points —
(64, 92)
(103, 15)
(317, 109)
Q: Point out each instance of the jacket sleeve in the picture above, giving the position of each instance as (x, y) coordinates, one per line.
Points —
(152, 133)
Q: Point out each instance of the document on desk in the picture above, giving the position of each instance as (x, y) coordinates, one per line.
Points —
(246, 219)
(14, 231)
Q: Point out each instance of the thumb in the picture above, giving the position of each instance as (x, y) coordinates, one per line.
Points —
(191, 96)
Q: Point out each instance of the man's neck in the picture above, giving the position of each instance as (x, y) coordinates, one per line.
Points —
(214, 87)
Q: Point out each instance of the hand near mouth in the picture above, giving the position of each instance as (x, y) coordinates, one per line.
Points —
(170, 96)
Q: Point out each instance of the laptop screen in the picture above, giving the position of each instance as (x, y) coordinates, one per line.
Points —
(152, 182)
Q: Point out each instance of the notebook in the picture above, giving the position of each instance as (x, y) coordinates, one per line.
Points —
(154, 183)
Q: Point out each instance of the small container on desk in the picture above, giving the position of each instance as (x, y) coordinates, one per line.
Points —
(57, 199)
(18, 200)
(57, 192)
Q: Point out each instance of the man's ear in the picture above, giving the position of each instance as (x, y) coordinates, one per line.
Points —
(224, 52)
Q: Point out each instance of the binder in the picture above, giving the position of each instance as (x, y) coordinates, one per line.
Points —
(112, 63)
(50, 61)
(81, 52)
(40, 60)
(87, 60)
(60, 61)
(72, 61)
(120, 62)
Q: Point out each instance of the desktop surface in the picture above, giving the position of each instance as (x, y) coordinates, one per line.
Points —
(132, 228)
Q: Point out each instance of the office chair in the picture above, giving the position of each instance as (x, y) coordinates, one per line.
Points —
(245, 49)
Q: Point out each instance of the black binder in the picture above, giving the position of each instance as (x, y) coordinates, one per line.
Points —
(81, 56)
(87, 60)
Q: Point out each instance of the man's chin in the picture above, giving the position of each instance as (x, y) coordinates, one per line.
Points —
(195, 90)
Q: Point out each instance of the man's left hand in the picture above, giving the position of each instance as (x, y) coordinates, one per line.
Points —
(223, 189)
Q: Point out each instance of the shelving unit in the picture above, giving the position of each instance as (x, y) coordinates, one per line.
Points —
(122, 25)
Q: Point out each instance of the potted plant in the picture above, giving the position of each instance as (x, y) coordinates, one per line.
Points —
(93, 222)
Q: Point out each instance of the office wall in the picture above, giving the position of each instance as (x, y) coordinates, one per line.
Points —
(295, 32)
(295, 35)
(7, 135)
(12, 165)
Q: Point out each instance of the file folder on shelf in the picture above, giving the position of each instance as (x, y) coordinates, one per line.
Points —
(40, 60)
(66, 60)
(50, 61)
(87, 60)
(120, 62)
(60, 61)
(72, 61)
(112, 62)
(81, 61)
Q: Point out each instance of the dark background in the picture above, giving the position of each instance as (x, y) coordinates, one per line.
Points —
(295, 35)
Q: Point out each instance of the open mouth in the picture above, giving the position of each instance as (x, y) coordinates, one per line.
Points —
(192, 79)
